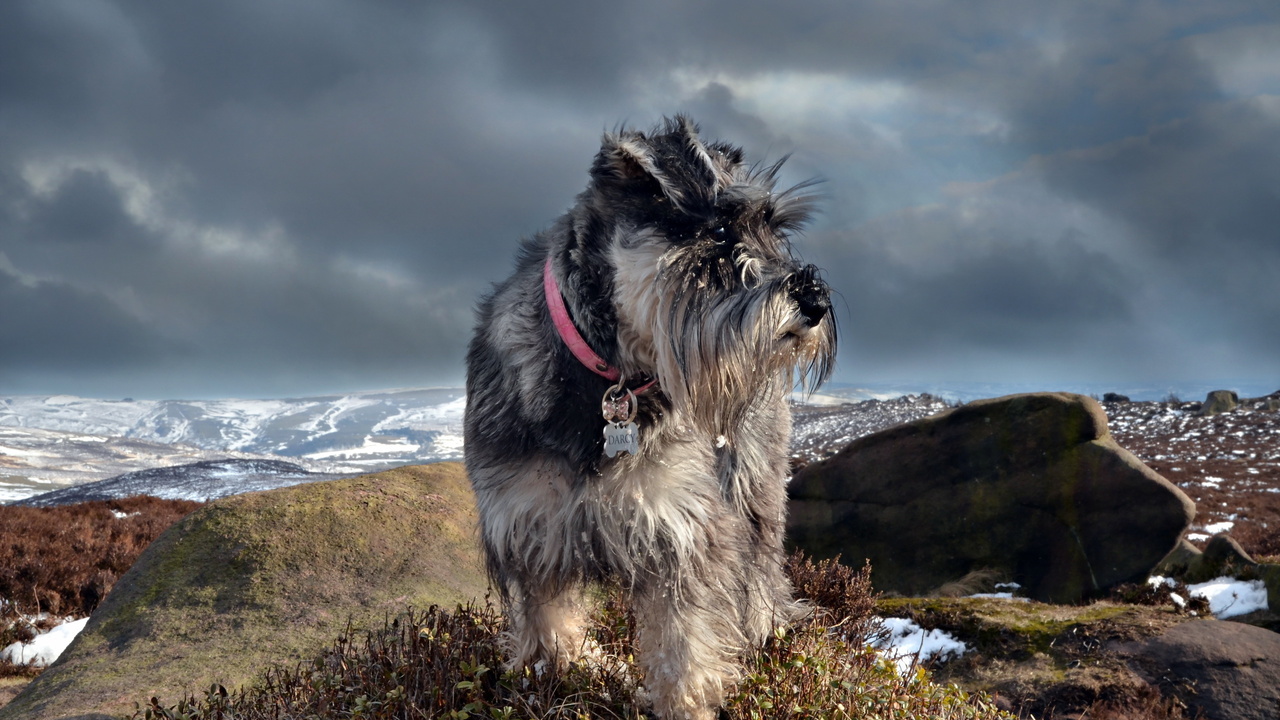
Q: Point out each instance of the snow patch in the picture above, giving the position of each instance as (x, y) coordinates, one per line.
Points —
(1219, 527)
(46, 647)
(1227, 596)
(907, 644)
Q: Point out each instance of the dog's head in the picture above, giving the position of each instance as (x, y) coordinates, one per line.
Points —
(707, 292)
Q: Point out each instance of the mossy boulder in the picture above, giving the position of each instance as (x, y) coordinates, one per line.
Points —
(263, 578)
(1219, 401)
(1030, 487)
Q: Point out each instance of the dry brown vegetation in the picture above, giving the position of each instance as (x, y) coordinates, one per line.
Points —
(62, 561)
(448, 664)
(1229, 464)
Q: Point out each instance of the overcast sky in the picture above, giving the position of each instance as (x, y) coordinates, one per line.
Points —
(262, 198)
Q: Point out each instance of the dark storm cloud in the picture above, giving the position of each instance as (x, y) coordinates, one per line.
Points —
(85, 208)
(91, 333)
(1205, 186)
(1201, 196)
(952, 285)
(293, 196)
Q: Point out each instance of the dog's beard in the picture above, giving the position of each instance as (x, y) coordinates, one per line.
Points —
(721, 345)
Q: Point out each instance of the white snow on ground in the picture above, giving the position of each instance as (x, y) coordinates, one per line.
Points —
(430, 416)
(371, 446)
(447, 445)
(1000, 596)
(907, 644)
(1004, 591)
(46, 647)
(1227, 596)
(1157, 581)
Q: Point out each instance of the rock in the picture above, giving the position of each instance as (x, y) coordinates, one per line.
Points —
(1221, 556)
(1269, 574)
(1031, 486)
(1225, 670)
(1115, 397)
(1219, 401)
(1175, 564)
(262, 578)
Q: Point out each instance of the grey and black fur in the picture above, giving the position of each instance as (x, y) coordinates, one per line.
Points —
(675, 263)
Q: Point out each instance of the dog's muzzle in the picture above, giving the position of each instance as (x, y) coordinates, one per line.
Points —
(811, 295)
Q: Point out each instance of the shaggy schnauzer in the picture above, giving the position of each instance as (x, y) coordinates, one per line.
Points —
(627, 410)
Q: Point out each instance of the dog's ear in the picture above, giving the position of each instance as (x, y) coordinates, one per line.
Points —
(671, 161)
(628, 159)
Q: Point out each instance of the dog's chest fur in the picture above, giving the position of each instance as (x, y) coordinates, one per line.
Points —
(639, 515)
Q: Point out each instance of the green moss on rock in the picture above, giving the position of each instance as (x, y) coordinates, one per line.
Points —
(266, 578)
(1036, 655)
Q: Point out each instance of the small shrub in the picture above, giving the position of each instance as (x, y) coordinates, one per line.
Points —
(843, 592)
(1150, 706)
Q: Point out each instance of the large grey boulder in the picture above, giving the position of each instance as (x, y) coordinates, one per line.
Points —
(1030, 486)
(263, 578)
(1224, 670)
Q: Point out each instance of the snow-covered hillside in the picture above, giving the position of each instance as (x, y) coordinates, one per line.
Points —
(201, 481)
(35, 461)
(357, 429)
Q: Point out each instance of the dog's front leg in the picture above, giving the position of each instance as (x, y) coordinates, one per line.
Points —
(546, 627)
(689, 641)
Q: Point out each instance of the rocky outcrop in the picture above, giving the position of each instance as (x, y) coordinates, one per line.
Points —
(1225, 670)
(1030, 486)
(262, 578)
(1223, 555)
(1219, 401)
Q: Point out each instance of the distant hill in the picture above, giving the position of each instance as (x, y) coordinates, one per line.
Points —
(352, 432)
(201, 481)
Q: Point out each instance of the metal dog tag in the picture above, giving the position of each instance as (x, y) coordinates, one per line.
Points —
(621, 437)
(619, 407)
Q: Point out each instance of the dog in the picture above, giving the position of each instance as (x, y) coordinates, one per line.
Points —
(627, 415)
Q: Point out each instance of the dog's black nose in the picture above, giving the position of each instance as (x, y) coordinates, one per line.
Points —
(811, 295)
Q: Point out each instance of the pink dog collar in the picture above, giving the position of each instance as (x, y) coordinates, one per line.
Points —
(568, 333)
(572, 338)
